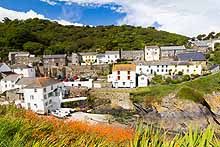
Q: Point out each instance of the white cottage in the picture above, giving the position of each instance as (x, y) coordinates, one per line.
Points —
(123, 76)
(43, 95)
(9, 82)
(24, 70)
(143, 80)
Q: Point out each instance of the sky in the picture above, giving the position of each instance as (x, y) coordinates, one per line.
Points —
(187, 17)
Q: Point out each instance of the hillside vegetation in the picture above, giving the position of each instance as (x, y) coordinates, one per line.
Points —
(42, 36)
(193, 90)
(20, 128)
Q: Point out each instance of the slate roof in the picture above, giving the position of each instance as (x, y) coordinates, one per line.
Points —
(11, 77)
(87, 53)
(41, 82)
(54, 56)
(111, 52)
(203, 43)
(191, 56)
(25, 81)
(167, 48)
(152, 47)
(124, 67)
(213, 67)
(22, 66)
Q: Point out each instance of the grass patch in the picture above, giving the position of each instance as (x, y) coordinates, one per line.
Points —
(202, 85)
(190, 94)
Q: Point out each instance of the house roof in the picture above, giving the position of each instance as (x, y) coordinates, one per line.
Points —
(25, 81)
(155, 47)
(191, 56)
(6, 73)
(88, 53)
(11, 77)
(111, 52)
(54, 56)
(20, 66)
(100, 55)
(41, 82)
(164, 48)
(213, 66)
(167, 62)
(203, 43)
(124, 67)
(133, 51)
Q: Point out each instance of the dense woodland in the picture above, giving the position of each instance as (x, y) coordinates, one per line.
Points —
(45, 37)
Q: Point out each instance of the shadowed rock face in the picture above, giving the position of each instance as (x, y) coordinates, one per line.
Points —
(177, 114)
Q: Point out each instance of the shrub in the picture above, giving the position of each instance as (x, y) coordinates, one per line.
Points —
(190, 94)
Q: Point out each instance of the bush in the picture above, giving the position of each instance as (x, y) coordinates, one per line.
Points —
(190, 94)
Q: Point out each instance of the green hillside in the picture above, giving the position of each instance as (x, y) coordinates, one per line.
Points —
(42, 36)
(193, 90)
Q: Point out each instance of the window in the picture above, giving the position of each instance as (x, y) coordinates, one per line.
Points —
(140, 69)
(129, 77)
(5, 85)
(157, 70)
(196, 66)
(129, 72)
(162, 70)
(187, 70)
(118, 77)
(50, 94)
(46, 103)
(50, 101)
(123, 83)
(157, 66)
(35, 90)
(12, 85)
(45, 89)
(162, 66)
(32, 97)
(118, 72)
(45, 96)
(51, 87)
(35, 105)
(142, 78)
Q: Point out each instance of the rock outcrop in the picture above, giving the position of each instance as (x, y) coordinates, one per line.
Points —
(178, 115)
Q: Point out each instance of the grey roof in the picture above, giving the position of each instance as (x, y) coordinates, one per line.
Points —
(1, 64)
(155, 63)
(111, 52)
(100, 55)
(133, 51)
(54, 56)
(22, 66)
(41, 82)
(191, 56)
(164, 48)
(203, 43)
(25, 81)
(11, 77)
(214, 66)
(88, 53)
(154, 47)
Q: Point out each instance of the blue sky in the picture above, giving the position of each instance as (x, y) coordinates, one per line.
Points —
(187, 17)
(87, 15)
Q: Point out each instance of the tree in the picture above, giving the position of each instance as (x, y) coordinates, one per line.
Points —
(33, 47)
